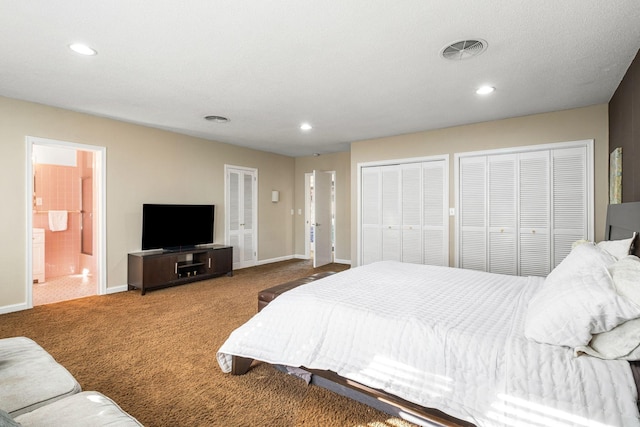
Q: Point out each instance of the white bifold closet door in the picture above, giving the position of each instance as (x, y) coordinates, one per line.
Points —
(391, 213)
(502, 211)
(371, 217)
(241, 215)
(570, 196)
(411, 214)
(535, 213)
(403, 213)
(520, 212)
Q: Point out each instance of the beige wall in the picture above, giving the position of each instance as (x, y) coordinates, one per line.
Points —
(340, 164)
(149, 165)
(569, 125)
(143, 165)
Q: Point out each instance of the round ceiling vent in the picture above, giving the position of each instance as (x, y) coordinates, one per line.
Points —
(463, 49)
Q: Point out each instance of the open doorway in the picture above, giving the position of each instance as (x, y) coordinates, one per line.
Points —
(320, 217)
(66, 217)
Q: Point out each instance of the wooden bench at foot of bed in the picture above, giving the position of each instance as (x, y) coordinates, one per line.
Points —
(267, 295)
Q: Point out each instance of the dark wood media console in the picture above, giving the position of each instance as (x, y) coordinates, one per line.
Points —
(160, 269)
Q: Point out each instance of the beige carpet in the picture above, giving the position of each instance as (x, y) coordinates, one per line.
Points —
(155, 355)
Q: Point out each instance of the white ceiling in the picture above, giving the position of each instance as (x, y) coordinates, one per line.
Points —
(354, 69)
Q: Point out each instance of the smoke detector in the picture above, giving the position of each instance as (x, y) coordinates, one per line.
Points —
(463, 49)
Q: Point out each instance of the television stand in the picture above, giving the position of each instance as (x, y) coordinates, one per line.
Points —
(160, 269)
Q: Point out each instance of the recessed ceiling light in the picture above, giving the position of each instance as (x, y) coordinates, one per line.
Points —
(484, 90)
(306, 126)
(217, 119)
(82, 49)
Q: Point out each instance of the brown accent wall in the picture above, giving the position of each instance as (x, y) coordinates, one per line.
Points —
(624, 129)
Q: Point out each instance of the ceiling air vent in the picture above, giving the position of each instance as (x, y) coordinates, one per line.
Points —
(217, 119)
(464, 49)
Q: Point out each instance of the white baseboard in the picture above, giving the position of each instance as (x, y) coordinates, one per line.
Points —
(14, 307)
(116, 289)
(337, 260)
(298, 256)
(272, 260)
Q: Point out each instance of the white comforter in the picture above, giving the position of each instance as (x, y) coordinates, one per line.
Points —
(440, 337)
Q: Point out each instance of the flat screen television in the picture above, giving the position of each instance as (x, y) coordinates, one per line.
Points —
(175, 227)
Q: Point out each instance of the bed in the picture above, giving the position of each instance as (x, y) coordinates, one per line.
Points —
(457, 347)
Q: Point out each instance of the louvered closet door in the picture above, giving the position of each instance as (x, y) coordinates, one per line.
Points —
(404, 213)
(235, 212)
(435, 218)
(535, 220)
(502, 214)
(391, 213)
(371, 214)
(241, 212)
(537, 205)
(569, 200)
(472, 211)
(411, 213)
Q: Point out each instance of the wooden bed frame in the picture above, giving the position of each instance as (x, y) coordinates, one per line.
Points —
(622, 221)
(375, 398)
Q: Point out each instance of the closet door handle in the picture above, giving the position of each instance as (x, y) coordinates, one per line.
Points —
(175, 268)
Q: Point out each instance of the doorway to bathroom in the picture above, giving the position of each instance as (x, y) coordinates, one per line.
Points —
(66, 183)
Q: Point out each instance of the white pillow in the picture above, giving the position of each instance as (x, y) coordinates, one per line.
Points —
(626, 277)
(577, 300)
(618, 248)
(623, 341)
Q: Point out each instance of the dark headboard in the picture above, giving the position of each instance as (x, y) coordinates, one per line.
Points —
(622, 221)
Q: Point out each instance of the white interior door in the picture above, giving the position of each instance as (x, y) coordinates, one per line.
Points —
(323, 243)
(241, 215)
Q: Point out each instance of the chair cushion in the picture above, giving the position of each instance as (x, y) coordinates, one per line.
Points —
(88, 408)
(30, 377)
(7, 420)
